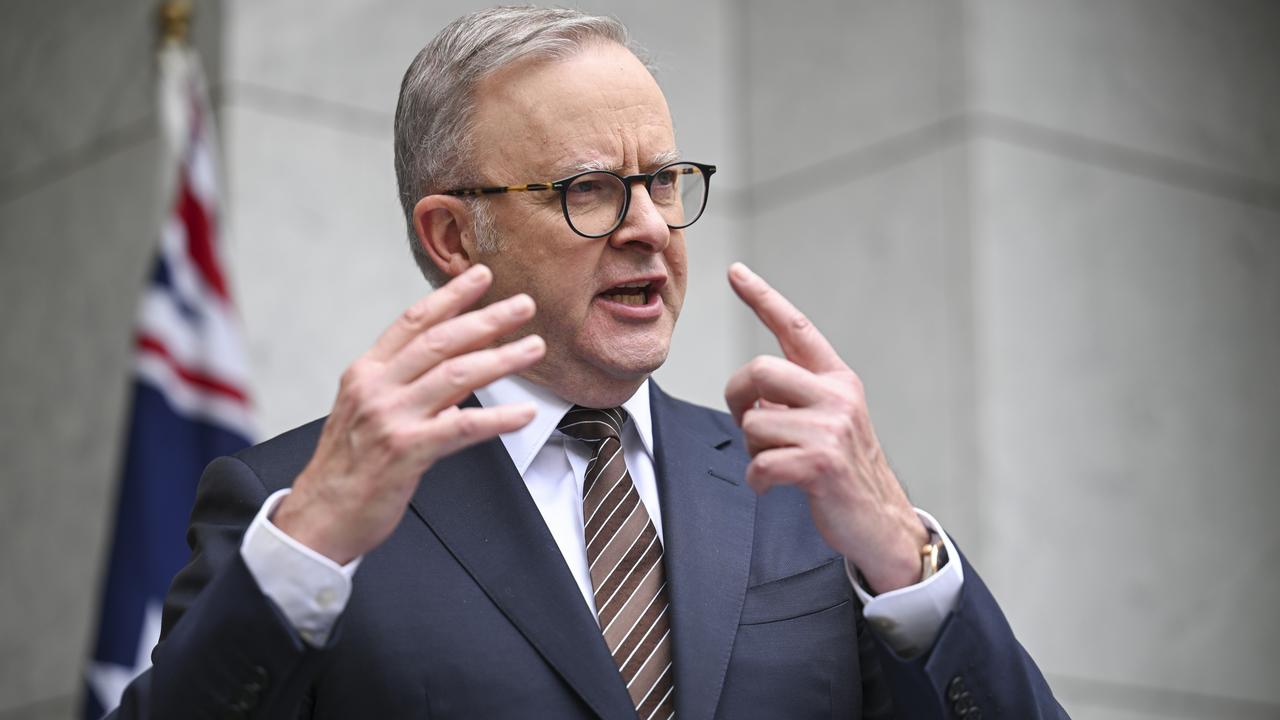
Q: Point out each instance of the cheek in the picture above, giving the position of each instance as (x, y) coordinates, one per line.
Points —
(678, 267)
(560, 289)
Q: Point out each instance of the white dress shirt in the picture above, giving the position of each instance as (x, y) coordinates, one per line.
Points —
(312, 590)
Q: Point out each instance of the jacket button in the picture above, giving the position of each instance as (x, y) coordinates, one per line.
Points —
(955, 688)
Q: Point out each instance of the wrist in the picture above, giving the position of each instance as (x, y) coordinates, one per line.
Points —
(901, 565)
(308, 523)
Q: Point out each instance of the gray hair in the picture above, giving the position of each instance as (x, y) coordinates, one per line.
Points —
(433, 142)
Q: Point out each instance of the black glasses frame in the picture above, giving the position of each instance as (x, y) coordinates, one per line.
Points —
(627, 181)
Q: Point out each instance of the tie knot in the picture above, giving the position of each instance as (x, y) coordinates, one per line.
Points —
(593, 424)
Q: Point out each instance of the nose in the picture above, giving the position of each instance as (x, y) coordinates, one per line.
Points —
(643, 227)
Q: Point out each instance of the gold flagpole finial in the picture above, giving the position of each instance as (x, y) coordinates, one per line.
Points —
(175, 20)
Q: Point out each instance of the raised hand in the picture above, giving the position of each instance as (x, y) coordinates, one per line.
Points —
(806, 424)
(395, 415)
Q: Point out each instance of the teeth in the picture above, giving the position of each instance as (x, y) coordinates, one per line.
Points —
(633, 285)
(627, 299)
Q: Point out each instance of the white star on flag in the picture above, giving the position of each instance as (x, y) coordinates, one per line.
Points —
(108, 680)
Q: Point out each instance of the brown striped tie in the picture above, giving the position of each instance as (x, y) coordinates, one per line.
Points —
(625, 557)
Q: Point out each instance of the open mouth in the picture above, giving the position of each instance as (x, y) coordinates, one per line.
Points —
(633, 293)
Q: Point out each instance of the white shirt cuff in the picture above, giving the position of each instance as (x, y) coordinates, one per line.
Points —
(309, 588)
(909, 618)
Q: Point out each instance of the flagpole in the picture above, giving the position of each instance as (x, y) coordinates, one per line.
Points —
(175, 21)
(189, 380)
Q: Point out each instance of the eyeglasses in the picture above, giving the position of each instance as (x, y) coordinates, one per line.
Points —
(595, 202)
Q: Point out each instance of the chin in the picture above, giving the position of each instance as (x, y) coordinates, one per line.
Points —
(632, 354)
(637, 368)
(597, 379)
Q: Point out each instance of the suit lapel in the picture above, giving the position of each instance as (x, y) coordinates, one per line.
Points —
(708, 520)
(477, 504)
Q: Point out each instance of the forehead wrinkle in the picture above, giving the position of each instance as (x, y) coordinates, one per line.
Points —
(656, 160)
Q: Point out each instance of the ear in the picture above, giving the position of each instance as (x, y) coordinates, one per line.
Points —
(443, 225)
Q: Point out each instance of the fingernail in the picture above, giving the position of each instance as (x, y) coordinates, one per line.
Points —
(531, 345)
(477, 273)
(520, 305)
(741, 271)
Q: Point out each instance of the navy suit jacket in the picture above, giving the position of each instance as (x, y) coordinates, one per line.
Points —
(468, 610)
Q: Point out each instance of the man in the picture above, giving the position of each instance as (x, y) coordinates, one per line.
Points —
(504, 517)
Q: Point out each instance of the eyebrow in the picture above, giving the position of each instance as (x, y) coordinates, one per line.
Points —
(655, 160)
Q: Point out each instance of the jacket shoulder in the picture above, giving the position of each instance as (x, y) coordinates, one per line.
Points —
(279, 460)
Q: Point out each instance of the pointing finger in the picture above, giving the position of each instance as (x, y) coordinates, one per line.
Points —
(801, 342)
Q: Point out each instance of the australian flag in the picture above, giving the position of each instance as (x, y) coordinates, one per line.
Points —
(189, 398)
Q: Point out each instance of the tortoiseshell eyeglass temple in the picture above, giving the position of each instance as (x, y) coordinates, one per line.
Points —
(502, 189)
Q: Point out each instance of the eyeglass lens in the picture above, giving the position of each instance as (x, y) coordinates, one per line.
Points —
(594, 201)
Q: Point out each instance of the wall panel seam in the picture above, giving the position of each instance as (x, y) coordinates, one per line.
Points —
(770, 193)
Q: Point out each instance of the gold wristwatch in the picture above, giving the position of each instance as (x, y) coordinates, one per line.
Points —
(933, 555)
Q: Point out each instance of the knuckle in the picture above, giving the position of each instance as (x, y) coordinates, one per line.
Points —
(467, 425)
(799, 322)
(455, 374)
(765, 464)
(855, 393)
(400, 441)
(848, 399)
(842, 430)
(487, 325)
(414, 315)
(437, 340)
(760, 366)
(353, 378)
(855, 382)
(374, 415)
(835, 427)
(826, 461)
(844, 404)
(358, 390)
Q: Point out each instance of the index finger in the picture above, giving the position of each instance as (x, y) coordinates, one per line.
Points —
(440, 304)
(800, 340)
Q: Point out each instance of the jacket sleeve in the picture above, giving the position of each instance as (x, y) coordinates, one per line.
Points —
(976, 669)
(225, 649)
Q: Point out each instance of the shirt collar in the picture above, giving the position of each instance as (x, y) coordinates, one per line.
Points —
(523, 444)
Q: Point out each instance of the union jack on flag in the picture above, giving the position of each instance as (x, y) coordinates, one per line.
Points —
(189, 398)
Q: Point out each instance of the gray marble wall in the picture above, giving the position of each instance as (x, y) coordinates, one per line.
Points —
(1126, 226)
(1044, 232)
(1048, 236)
